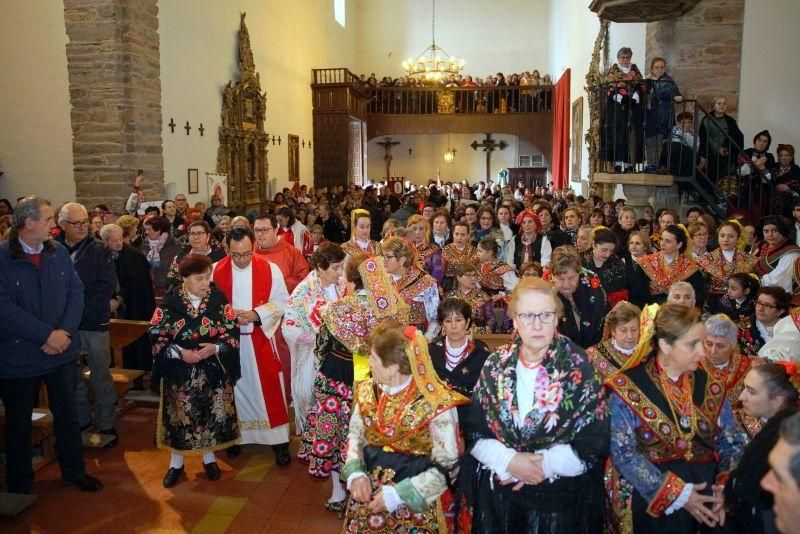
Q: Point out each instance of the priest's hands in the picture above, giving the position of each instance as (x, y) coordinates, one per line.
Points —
(361, 489)
(57, 342)
(247, 316)
(525, 468)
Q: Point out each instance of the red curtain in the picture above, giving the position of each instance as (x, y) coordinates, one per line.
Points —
(561, 129)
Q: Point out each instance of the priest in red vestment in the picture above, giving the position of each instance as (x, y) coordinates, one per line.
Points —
(256, 290)
(294, 268)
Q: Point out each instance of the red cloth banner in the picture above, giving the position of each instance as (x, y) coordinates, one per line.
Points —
(561, 130)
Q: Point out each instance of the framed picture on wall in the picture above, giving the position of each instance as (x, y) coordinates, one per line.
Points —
(294, 157)
(194, 182)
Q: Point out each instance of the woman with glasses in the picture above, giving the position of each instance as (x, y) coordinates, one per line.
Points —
(698, 232)
(672, 263)
(673, 434)
(418, 289)
(581, 295)
(772, 303)
(723, 262)
(483, 320)
(199, 234)
(537, 431)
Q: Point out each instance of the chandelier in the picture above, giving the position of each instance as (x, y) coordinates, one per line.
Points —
(433, 63)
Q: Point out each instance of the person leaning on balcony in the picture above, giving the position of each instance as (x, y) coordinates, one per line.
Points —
(662, 91)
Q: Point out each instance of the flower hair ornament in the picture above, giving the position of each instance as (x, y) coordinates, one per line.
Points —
(791, 370)
(647, 328)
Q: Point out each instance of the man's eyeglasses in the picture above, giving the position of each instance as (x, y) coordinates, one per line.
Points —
(78, 224)
(263, 230)
(528, 318)
(241, 256)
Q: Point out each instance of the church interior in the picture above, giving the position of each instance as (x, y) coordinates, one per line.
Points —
(245, 98)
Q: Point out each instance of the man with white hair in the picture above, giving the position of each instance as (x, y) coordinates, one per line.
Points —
(95, 268)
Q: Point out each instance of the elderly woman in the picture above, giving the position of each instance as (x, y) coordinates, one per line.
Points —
(698, 233)
(720, 140)
(778, 255)
(160, 249)
(418, 289)
(620, 337)
(342, 346)
(770, 395)
(195, 340)
(682, 293)
(724, 362)
(721, 263)
(581, 295)
(440, 228)
(786, 181)
(199, 236)
(531, 243)
(302, 321)
(403, 438)
(240, 221)
(672, 263)
(429, 254)
(537, 431)
(673, 434)
(623, 91)
(130, 230)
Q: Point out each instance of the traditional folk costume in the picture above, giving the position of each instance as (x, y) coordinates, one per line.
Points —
(663, 273)
(430, 257)
(523, 248)
(301, 323)
(497, 277)
(453, 256)
(718, 267)
(752, 335)
(353, 247)
(732, 375)
(483, 318)
(621, 133)
(667, 435)
(777, 266)
(556, 409)
(785, 340)
(611, 275)
(421, 293)
(405, 440)
(197, 412)
(459, 368)
(607, 359)
(260, 398)
(736, 308)
(342, 338)
(583, 323)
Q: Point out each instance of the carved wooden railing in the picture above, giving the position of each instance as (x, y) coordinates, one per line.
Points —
(336, 76)
(414, 100)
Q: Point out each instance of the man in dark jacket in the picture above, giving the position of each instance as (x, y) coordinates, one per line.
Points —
(370, 203)
(136, 300)
(332, 227)
(41, 302)
(96, 270)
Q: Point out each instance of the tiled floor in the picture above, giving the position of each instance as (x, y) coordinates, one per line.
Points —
(253, 495)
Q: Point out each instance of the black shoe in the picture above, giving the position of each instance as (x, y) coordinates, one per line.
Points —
(87, 483)
(113, 433)
(233, 451)
(212, 471)
(172, 476)
(282, 456)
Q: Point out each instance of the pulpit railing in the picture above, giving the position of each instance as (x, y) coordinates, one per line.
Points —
(644, 130)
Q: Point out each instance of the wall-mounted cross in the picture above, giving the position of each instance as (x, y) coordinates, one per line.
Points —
(187, 127)
(488, 145)
(303, 143)
(279, 140)
(201, 129)
(172, 125)
(273, 139)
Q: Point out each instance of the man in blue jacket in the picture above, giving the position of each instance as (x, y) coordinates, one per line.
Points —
(41, 303)
(95, 267)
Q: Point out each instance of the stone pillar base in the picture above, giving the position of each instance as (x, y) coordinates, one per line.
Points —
(638, 197)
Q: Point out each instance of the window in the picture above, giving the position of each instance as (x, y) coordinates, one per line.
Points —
(338, 11)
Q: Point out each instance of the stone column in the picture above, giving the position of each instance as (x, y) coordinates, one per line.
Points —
(703, 49)
(114, 68)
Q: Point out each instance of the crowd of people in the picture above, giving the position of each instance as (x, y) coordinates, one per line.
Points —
(647, 378)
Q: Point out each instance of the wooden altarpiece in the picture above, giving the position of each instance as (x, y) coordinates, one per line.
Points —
(242, 153)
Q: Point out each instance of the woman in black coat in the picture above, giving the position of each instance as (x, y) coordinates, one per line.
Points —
(721, 141)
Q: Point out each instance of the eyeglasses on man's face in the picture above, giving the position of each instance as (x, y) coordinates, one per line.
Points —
(263, 230)
(765, 305)
(78, 224)
(241, 255)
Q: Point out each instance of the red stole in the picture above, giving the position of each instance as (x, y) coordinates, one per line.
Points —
(269, 366)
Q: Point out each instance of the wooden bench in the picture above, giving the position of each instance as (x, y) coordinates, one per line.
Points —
(494, 340)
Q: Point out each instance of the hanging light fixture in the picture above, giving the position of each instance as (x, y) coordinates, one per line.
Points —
(449, 154)
(433, 63)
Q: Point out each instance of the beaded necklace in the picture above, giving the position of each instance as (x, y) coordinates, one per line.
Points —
(454, 359)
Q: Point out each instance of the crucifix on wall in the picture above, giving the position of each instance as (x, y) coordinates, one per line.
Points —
(387, 145)
(489, 145)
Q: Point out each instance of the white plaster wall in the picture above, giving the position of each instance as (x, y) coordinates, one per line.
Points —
(505, 36)
(199, 54)
(35, 130)
(428, 150)
(770, 75)
(573, 30)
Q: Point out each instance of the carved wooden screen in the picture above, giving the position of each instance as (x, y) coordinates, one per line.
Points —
(355, 168)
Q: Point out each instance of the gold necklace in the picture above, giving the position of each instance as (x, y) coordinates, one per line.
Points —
(684, 421)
